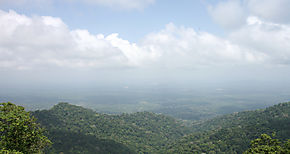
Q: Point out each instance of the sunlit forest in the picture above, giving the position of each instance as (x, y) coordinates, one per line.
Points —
(144, 77)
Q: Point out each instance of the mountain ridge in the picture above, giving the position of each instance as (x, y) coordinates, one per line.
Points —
(146, 132)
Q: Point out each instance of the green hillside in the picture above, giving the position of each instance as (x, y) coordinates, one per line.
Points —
(233, 133)
(72, 143)
(75, 129)
(139, 132)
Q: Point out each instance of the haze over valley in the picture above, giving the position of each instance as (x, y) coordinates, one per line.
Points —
(159, 76)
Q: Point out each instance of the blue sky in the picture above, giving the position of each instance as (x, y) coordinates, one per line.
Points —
(137, 40)
(131, 24)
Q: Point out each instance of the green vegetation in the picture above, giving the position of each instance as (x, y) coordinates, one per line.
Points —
(19, 133)
(74, 129)
(10, 152)
(72, 143)
(143, 132)
(265, 144)
(233, 133)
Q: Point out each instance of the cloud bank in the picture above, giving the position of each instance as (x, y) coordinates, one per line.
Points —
(124, 4)
(232, 14)
(42, 42)
(274, 11)
(115, 4)
(228, 14)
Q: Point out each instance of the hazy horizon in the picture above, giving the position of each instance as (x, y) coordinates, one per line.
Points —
(132, 51)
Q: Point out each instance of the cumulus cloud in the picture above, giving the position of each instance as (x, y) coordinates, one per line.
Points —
(125, 4)
(184, 47)
(258, 26)
(27, 3)
(29, 42)
(33, 42)
(269, 38)
(271, 10)
(232, 14)
(46, 42)
(116, 4)
(229, 14)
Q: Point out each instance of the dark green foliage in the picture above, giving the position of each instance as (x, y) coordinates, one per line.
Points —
(143, 132)
(200, 143)
(265, 144)
(73, 143)
(233, 133)
(9, 152)
(74, 129)
(19, 131)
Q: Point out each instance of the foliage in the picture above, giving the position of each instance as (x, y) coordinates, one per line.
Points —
(9, 152)
(141, 132)
(73, 143)
(265, 144)
(233, 133)
(19, 131)
(70, 126)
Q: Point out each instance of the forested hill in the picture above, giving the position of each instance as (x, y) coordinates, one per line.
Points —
(75, 129)
(232, 133)
(274, 117)
(138, 132)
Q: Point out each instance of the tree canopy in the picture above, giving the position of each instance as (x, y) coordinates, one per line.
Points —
(266, 144)
(19, 132)
(141, 132)
(233, 133)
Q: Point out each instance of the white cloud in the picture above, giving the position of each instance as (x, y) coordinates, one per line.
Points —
(116, 4)
(125, 4)
(229, 14)
(27, 3)
(269, 38)
(46, 42)
(259, 26)
(271, 10)
(232, 14)
(184, 47)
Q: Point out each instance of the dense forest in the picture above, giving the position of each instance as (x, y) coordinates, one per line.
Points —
(140, 132)
(67, 128)
(232, 133)
(74, 129)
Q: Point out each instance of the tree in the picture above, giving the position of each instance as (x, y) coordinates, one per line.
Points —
(19, 131)
(9, 152)
(265, 144)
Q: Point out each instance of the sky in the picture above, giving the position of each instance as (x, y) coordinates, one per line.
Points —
(51, 43)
